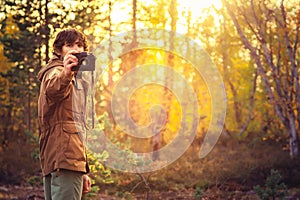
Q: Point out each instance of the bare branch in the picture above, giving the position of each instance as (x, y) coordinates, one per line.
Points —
(258, 62)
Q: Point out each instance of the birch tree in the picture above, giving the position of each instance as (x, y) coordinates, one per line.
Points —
(270, 31)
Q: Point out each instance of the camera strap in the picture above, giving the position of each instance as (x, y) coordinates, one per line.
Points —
(92, 99)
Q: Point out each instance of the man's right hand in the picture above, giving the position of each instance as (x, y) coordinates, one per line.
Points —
(70, 61)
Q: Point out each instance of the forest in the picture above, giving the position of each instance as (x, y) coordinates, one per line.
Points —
(196, 99)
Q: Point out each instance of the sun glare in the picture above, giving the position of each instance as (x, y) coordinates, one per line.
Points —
(120, 10)
(196, 6)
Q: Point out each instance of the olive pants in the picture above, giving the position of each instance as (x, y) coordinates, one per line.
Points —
(63, 185)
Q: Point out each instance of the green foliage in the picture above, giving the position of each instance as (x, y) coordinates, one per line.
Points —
(123, 155)
(199, 193)
(92, 194)
(274, 187)
(125, 195)
(100, 173)
(35, 181)
(33, 139)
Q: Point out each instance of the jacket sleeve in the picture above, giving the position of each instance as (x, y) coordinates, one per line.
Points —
(57, 84)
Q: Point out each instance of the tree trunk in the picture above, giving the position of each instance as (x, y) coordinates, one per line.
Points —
(293, 137)
(281, 95)
(47, 30)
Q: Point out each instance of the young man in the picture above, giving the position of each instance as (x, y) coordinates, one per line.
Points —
(61, 112)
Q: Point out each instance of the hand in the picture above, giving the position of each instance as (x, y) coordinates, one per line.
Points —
(70, 61)
(86, 184)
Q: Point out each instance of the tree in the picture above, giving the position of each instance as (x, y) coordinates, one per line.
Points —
(235, 64)
(19, 28)
(20, 48)
(271, 34)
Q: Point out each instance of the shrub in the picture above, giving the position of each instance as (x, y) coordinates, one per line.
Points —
(199, 193)
(274, 187)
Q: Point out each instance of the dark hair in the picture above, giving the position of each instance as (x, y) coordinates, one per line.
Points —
(69, 36)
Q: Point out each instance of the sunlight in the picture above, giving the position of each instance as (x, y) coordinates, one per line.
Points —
(197, 8)
(121, 10)
(197, 5)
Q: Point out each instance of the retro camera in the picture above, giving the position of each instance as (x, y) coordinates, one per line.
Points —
(86, 62)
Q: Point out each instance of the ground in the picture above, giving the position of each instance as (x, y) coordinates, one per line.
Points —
(36, 193)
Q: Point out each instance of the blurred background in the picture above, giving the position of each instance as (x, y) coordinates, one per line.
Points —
(253, 44)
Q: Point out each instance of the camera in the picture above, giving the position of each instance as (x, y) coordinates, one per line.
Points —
(86, 62)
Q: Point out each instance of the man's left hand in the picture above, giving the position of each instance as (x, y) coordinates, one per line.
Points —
(86, 184)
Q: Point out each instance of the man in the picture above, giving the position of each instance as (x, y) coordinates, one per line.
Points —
(61, 112)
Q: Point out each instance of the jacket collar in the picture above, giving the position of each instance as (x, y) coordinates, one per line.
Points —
(53, 62)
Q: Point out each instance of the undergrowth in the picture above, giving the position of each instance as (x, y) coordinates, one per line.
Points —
(232, 165)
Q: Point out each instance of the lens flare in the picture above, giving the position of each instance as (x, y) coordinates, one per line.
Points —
(132, 78)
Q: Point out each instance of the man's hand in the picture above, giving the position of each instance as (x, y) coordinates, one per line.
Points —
(70, 61)
(86, 184)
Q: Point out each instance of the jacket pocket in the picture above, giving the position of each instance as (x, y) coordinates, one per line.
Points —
(73, 143)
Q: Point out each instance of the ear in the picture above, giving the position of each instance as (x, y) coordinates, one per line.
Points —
(57, 53)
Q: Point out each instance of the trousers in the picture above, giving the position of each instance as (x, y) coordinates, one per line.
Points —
(63, 185)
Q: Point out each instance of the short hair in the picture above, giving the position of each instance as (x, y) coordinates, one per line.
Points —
(69, 36)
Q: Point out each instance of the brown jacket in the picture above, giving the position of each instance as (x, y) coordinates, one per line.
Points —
(61, 112)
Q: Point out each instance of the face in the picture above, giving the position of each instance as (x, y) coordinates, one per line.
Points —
(75, 46)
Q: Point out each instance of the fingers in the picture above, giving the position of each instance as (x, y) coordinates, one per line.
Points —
(86, 184)
(70, 61)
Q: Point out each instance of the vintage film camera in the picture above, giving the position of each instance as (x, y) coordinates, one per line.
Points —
(86, 62)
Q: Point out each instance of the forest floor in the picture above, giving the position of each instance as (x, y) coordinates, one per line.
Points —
(36, 193)
(230, 172)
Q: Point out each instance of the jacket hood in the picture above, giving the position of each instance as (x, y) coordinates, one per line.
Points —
(54, 61)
